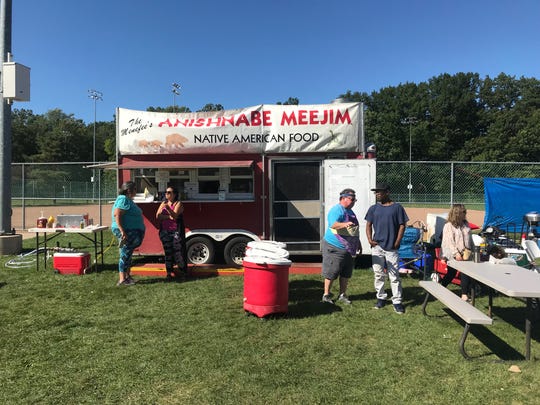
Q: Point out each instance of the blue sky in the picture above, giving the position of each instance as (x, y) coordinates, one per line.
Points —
(244, 53)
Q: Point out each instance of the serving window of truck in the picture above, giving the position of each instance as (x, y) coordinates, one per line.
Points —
(205, 183)
(262, 172)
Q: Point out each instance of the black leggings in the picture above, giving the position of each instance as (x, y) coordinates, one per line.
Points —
(174, 246)
(465, 280)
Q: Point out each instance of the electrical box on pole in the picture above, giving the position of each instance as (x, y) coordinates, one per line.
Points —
(16, 82)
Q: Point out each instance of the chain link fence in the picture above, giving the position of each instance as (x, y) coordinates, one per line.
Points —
(414, 184)
(60, 184)
(440, 184)
(59, 188)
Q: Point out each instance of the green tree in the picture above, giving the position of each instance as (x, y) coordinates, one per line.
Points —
(212, 107)
(385, 114)
(510, 119)
(169, 109)
(445, 113)
(63, 138)
(105, 140)
(289, 101)
(23, 134)
(454, 112)
(52, 137)
(454, 117)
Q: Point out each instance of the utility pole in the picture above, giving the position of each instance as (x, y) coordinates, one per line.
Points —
(10, 243)
(5, 120)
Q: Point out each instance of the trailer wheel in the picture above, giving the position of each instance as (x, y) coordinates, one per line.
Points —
(200, 250)
(235, 250)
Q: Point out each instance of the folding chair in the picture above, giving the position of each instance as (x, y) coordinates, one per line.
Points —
(413, 251)
(533, 254)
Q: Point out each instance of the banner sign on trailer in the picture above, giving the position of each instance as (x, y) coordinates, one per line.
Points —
(258, 129)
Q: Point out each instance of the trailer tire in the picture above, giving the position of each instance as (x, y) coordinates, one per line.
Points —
(235, 250)
(200, 250)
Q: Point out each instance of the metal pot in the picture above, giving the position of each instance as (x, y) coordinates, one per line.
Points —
(532, 217)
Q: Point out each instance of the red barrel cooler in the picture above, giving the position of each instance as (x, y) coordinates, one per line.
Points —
(266, 285)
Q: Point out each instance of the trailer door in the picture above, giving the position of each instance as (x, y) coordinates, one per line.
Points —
(296, 202)
(358, 174)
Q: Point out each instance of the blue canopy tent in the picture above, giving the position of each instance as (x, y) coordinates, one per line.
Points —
(508, 200)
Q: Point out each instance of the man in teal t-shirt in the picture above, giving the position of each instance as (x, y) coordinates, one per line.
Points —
(340, 246)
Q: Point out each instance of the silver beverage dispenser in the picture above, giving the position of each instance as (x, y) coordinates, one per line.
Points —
(531, 220)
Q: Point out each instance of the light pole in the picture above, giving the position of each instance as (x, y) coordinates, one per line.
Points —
(410, 121)
(176, 92)
(94, 95)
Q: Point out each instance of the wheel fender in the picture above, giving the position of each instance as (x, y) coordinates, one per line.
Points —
(220, 235)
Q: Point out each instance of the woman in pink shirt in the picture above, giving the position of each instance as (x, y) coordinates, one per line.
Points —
(172, 233)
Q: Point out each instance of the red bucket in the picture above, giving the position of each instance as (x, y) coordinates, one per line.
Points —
(266, 286)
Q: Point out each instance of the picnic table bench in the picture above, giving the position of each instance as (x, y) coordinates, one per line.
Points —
(467, 312)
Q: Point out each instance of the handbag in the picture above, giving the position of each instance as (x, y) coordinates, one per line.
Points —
(466, 254)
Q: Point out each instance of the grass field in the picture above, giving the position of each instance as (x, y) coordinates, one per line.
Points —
(82, 340)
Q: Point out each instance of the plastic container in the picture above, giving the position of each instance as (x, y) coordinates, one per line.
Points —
(266, 285)
(41, 221)
(519, 255)
(70, 221)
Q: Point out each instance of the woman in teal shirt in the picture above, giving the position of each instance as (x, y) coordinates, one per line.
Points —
(128, 227)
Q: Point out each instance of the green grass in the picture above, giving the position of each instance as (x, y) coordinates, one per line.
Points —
(70, 339)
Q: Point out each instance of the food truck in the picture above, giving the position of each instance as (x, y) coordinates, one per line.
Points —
(267, 172)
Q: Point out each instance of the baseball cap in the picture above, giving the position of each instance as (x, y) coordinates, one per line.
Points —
(381, 187)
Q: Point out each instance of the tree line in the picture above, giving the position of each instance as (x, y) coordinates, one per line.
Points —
(459, 117)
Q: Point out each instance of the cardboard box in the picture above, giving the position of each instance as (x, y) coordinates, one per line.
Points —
(71, 263)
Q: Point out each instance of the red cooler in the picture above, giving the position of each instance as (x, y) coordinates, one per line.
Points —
(71, 263)
(266, 286)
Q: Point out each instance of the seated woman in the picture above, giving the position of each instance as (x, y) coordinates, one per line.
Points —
(456, 238)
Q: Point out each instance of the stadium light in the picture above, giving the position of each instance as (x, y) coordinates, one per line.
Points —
(94, 95)
(410, 121)
(176, 92)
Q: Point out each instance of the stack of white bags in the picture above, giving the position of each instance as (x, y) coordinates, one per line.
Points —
(267, 252)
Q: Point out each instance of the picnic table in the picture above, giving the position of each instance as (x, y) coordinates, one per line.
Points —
(510, 280)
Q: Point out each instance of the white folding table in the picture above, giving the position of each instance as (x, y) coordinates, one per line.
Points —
(511, 280)
(89, 232)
